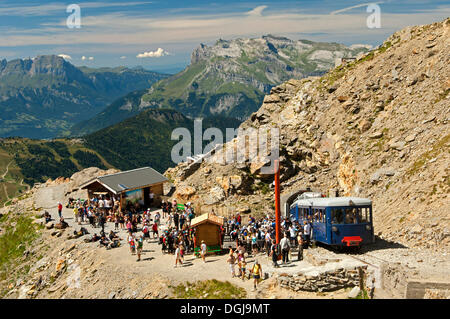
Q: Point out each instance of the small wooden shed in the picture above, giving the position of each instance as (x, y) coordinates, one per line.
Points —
(207, 228)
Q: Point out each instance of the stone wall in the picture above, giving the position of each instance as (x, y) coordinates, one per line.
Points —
(327, 281)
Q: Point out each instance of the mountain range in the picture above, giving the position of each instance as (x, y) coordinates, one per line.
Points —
(229, 78)
(44, 96)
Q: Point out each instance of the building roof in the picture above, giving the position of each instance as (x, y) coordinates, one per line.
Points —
(214, 219)
(124, 181)
(333, 201)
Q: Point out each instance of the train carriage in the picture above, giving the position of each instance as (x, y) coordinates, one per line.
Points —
(336, 221)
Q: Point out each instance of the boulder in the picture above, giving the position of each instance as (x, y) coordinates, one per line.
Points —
(49, 225)
(215, 195)
(354, 292)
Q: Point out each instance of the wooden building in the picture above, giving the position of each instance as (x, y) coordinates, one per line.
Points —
(133, 187)
(207, 228)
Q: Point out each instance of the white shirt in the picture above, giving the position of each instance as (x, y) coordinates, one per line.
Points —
(203, 248)
(307, 229)
(284, 243)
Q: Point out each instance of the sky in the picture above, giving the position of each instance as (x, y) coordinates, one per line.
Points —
(160, 35)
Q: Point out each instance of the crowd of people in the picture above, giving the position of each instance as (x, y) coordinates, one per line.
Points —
(253, 239)
(258, 236)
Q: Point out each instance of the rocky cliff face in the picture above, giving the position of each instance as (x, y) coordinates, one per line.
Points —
(377, 127)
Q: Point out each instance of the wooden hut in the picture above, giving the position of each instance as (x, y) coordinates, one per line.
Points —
(207, 228)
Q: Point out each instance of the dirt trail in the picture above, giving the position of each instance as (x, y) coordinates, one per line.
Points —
(7, 169)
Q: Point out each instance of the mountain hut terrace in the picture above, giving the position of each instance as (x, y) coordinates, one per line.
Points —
(133, 186)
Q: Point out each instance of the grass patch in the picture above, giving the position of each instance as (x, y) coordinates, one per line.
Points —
(437, 148)
(19, 233)
(209, 289)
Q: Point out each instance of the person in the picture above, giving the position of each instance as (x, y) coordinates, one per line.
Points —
(307, 231)
(151, 197)
(129, 226)
(116, 222)
(48, 217)
(60, 209)
(300, 247)
(293, 235)
(254, 244)
(155, 230)
(285, 247)
(76, 214)
(203, 250)
(177, 256)
(175, 219)
(268, 241)
(257, 273)
(140, 245)
(102, 221)
(231, 261)
(104, 240)
(131, 241)
(274, 254)
(242, 266)
(157, 218)
(146, 231)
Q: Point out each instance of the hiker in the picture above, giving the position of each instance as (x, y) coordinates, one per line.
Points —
(129, 226)
(307, 232)
(175, 219)
(285, 247)
(131, 242)
(274, 254)
(76, 213)
(155, 230)
(300, 247)
(177, 256)
(140, 245)
(241, 262)
(231, 261)
(116, 222)
(60, 209)
(257, 273)
(203, 250)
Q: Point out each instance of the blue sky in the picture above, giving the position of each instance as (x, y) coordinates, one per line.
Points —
(160, 35)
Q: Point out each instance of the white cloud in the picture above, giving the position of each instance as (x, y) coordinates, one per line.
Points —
(153, 54)
(83, 58)
(257, 12)
(123, 57)
(354, 7)
(65, 56)
(91, 58)
(48, 9)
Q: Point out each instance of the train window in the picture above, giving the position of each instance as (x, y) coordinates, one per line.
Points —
(318, 215)
(337, 216)
(364, 215)
(351, 215)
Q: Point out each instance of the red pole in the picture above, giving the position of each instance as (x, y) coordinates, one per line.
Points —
(277, 202)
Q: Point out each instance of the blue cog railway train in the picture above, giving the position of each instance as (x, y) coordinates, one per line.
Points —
(336, 221)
